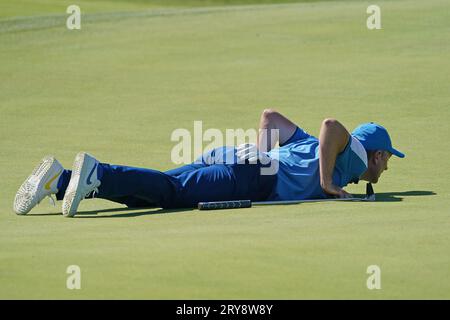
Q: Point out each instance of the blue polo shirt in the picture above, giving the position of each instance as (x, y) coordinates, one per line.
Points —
(298, 174)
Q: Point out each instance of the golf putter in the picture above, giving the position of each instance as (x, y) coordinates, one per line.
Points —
(237, 204)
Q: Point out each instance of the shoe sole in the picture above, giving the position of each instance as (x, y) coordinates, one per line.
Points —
(23, 195)
(74, 194)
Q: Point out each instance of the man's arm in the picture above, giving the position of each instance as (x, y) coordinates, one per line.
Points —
(333, 139)
(271, 119)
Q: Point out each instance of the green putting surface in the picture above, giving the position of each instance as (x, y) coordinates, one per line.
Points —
(45, 7)
(119, 87)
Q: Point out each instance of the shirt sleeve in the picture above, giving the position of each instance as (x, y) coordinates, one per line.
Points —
(299, 134)
(352, 162)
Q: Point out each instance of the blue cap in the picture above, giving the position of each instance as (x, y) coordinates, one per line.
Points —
(375, 137)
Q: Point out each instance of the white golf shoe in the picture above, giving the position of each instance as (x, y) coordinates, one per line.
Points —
(42, 183)
(82, 182)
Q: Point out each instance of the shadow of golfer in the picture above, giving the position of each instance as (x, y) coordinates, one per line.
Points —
(398, 196)
(137, 212)
(128, 212)
(86, 212)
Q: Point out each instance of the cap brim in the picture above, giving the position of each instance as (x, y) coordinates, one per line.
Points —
(397, 153)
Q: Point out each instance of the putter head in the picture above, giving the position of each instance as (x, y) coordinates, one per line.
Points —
(370, 194)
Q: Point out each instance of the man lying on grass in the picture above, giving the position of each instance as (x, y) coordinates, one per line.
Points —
(308, 168)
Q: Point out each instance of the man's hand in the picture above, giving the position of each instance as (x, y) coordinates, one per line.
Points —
(250, 152)
(336, 191)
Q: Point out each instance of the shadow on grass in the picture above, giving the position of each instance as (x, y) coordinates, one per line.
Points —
(137, 212)
(381, 197)
(132, 212)
(85, 212)
(398, 196)
(126, 212)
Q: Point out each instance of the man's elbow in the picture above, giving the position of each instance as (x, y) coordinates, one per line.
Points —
(331, 123)
(334, 130)
(269, 116)
(269, 113)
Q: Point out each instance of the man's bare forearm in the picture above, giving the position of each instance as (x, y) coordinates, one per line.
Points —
(333, 138)
(273, 128)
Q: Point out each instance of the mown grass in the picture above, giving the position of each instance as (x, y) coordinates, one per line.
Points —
(45, 7)
(118, 88)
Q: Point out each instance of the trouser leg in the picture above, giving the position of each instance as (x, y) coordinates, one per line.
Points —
(134, 187)
(208, 180)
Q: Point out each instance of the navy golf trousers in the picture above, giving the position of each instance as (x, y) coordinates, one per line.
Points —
(216, 176)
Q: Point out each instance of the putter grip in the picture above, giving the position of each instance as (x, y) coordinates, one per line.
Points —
(224, 205)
